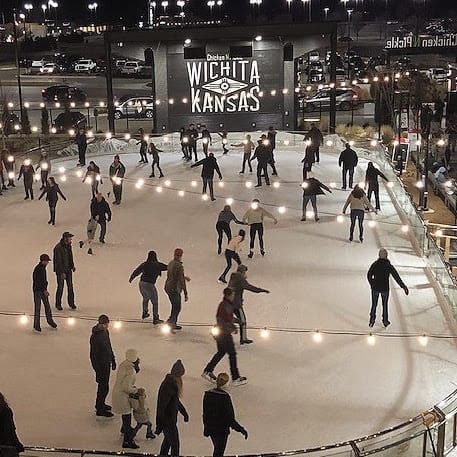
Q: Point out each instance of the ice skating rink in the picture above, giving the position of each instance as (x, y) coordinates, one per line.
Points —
(299, 393)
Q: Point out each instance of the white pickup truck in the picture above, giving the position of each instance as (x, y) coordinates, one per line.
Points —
(439, 75)
(85, 66)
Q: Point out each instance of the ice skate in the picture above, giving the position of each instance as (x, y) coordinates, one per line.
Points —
(240, 381)
(209, 376)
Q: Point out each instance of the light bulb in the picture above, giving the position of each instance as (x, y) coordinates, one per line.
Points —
(193, 183)
(340, 218)
(419, 184)
(329, 143)
(181, 193)
(317, 336)
(167, 183)
(108, 135)
(127, 136)
(371, 339)
(63, 178)
(62, 170)
(204, 197)
(215, 331)
(423, 340)
(159, 189)
(276, 184)
(254, 205)
(404, 228)
(117, 324)
(139, 184)
(79, 174)
(281, 209)
(23, 319)
(71, 321)
(229, 201)
(248, 184)
(264, 333)
(165, 329)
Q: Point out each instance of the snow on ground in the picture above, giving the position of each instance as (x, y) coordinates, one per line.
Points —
(300, 393)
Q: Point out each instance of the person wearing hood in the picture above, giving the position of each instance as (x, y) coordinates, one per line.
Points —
(124, 389)
(101, 212)
(94, 177)
(103, 361)
(154, 151)
(28, 172)
(116, 174)
(64, 267)
(231, 253)
(81, 142)
(371, 180)
(263, 155)
(150, 270)
(314, 136)
(219, 416)
(378, 276)
(312, 187)
(52, 191)
(209, 166)
(45, 168)
(168, 406)
(8, 435)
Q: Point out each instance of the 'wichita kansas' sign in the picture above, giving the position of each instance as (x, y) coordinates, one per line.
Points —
(224, 85)
(411, 41)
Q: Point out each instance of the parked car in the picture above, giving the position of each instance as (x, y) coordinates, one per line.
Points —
(85, 66)
(314, 56)
(50, 68)
(439, 75)
(316, 76)
(131, 68)
(345, 100)
(70, 120)
(135, 107)
(62, 93)
(341, 74)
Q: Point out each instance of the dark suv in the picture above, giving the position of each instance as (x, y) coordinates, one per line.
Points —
(71, 120)
(63, 93)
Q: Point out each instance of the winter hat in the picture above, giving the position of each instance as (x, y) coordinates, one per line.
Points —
(178, 369)
(178, 252)
(222, 379)
(382, 253)
(103, 319)
(44, 257)
(131, 355)
(242, 232)
(242, 268)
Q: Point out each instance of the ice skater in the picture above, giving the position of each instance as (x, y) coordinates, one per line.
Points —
(223, 225)
(141, 413)
(81, 141)
(224, 340)
(254, 218)
(9, 165)
(41, 294)
(101, 212)
(378, 277)
(271, 138)
(28, 173)
(314, 135)
(184, 140)
(64, 268)
(143, 142)
(231, 253)
(371, 181)
(209, 166)
(52, 191)
(224, 141)
(248, 147)
(312, 187)
(308, 161)
(150, 270)
(219, 416)
(45, 168)
(239, 283)
(206, 139)
(358, 201)
(91, 230)
(154, 151)
(263, 155)
(348, 158)
(93, 177)
(116, 174)
(193, 137)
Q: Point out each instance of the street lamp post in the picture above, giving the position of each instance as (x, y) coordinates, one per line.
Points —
(165, 6)
(349, 12)
(22, 16)
(44, 8)
(345, 4)
(54, 5)
(210, 4)
(93, 7)
(181, 4)
(18, 68)
(307, 2)
(326, 10)
(151, 12)
(28, 7)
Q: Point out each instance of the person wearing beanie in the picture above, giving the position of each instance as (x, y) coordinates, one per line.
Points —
(168, 406)
(116, 174)
(254, 218)
(231, 253)
(219, 416)
(124, 389)
(174, 285)
(348, 158)
(103, 361)
(41, 294)
(224, 340)
(238, 283)
(264, 155)
(141, 413)
(378, 277)
(223, 225)
(64, 267)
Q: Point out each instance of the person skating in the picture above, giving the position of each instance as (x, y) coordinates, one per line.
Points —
(184, 140)
(308, 161)
(41, 294)
(3, 168)
(224, 340)
(8, 435)
(27, 172)
(209, 166)
(81, 141)
(93, 176)
(239, 283)
(52, 191)
(271, 138)
(358, 201)
(371, 180)
(154, 151)
(206, 139)
(101, 212)
(254, 218)
(150, 270)
(116, 174)
(315, 136)
(192, 133)
(231, 253)
(312, 187)
(378, 277)
(224, 141)
(143, 142)
(91, 229)
(223, 225)
(124, 389)
(103, 361)
(64, 268)
(168, 406)
(45, 168)
(141, 413)
(174, 285)
(263, 155)
(9, 165)
(348, 158)
(248, 147)
(219, 416)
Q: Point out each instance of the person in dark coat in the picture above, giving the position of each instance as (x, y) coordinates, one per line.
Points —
(223, 225)
(41, 294)
(101, 212)
(94, 177)
(248, 147)
(52, 191)
(154, 151)
(9, 164)
(184, 140)
(378, 277)
(150, 271)
(8, 435)
(103, 361)
(45, 168)
(116, 174)
(315, 136)
(238, 283)
(206, 139)
(263, 155)
(64, 268)
(192, 133)
(168, 406)
(209, 166)
(224, 141)
(371, 180)
(28, 172)
(348, 158)
(308, 160)
(81, 141)
(219, 416)
(224, 340)
(143, 146)
(271, 137)
(312, 187)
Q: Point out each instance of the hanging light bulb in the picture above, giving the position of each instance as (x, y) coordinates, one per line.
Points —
(79, 173)
(204, 197)
(165, 329)
(340, 218)
(404, 228)
(193, 183)
(317, 336)
(229, 201)
(248, 184)
(215, 331)
(181, 193)
(276, 184)
(117, 325)
(62, 170)
(265, 333)
(371, 339)
(71, 321)
(23, 319)
(423, 340)
(167, 183)
(159, 189)
(329, 143)
(281, 209)
(139, 184)
(419, 184)
(127, 136)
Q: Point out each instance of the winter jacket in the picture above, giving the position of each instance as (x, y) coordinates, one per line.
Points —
(218, 413)
(123, 388)
(271, 135)
(28, 172)
(141, 411)
(224, 317)
(52, 193)
(348, 158)
(310, 156)
(40, 278)
(45, 165)
(357, 203)
(263, 154)
(101, 352)
(149, 270)
(315, 135)
(117, 170)
(154, 152)
(93, 172)
(378, 275)
(209, 167)
(175, 278)
(168, 404)
(63, 258)
(371, 176)
(227, 216)
(255, 216)
(238, 283)
(235, 243)
(81, 141)
(313, 187)
(100, 209)
(8, 436)
(205, 134)
(143, 146)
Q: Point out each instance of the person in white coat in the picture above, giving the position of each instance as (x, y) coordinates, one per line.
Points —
(231, 253)
(124, 389)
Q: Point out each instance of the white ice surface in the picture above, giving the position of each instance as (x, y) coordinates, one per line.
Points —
(300, 394)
